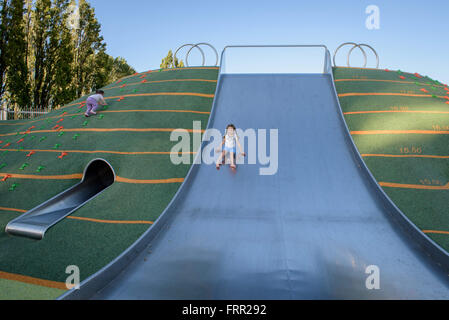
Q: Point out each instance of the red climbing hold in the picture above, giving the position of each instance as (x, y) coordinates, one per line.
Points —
(447, 98)
(447, 102)
(418, 75)
(424, 90)
(402, 77)
(63, 155)
(60, 120)
(6, 177)
(60, 128)
(55, 127)
(387, 70)
(144, 80)
(123, 85)
(21, 140)
(30, 154)
(6, 145)
(31, 128)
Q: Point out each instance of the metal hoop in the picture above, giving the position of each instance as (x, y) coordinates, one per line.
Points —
(197, 46)
(368, 46)
(355, 45)
(193, 46)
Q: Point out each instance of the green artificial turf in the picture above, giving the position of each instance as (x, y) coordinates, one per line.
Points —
(410, 158)
(91, 245)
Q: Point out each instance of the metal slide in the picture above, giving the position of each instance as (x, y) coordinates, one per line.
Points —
(98, 175)
(311, 231)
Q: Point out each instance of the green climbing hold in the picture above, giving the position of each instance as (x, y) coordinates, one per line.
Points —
(61, 134)
(85, 123)
(135, 90)
(2, 165)
(42, 139)
(105, 107)
(24, 166)
(56, 146)
(20, 148)
(40, 168)
(13, 187)
(434, 96)
(101, 116)
(33, 137)
(75, 136)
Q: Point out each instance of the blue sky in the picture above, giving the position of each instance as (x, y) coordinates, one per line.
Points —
(413, 35)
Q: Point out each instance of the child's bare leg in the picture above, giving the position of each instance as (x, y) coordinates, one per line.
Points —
(221, 157)
(232, 159)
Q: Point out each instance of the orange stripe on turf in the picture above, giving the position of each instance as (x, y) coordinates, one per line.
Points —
(107, 130)
(398, 132)
(405, 156)
(435, 231)
(111, 221)
(102, 151)
(396, 111)
(36, 177)
(80, 176)
(379, 80)
(88, 219)
(12, 209)
(413, 186)
(203, 95)
(161, 81)
(31, 280)
(386, 94)
(112, 111)
(160, 181)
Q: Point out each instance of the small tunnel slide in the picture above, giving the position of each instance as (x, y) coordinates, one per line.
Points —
(98, 176)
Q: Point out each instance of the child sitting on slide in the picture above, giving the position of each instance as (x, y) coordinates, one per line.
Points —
(229, 141)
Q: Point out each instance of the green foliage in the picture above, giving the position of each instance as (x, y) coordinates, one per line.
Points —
(167, 62)
(47, 58)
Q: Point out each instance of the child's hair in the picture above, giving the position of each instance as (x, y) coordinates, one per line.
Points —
(100, 92)
(230, 126)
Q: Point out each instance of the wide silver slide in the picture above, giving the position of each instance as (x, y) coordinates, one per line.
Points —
(319, 228)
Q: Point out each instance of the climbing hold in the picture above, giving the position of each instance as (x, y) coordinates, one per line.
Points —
(120, 99)
(387, 70)
(5, 152)
(135, 90)
(30, 154)
(399, 71)
(417, 75)
(55, 127)
(447, 102)
(63, 154)
(20, 148)
(402, 77)
(101, 116)
(75, 136)
(24, 166)
(33, 137)
(42, 128)
(40, 168)
(434, 96)
(56, 146)
(18, 134)
(60, 128)
(123, 85)
(13, 187)
(424, 90)
(105, 107)
(2, 165)
(73, 117)
(60, 120)
(21, 140)
(445, 97)
(42, 139)
(31, 128)
(85, 123)
(1, 141)
(144, 81)
(6, 145)
(6, 177)
(61, 134)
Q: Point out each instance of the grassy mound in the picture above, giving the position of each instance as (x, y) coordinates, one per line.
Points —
(133, 135)
(400, 124)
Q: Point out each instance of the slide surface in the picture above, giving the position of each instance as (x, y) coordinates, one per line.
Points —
(313, 230)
